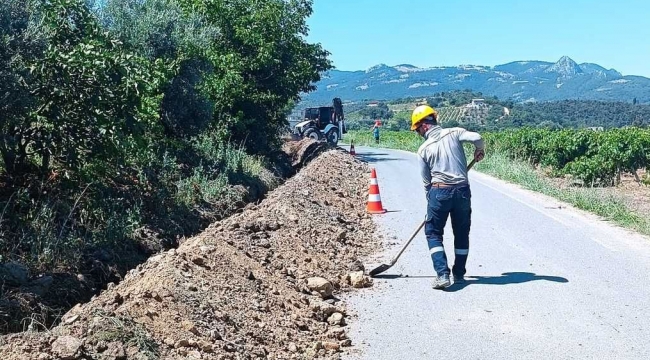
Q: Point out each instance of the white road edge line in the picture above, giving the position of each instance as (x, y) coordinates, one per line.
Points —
(562, 221)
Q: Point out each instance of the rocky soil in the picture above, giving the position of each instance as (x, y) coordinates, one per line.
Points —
(260, 284)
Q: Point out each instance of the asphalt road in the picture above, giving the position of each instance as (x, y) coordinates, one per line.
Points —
(543, 282)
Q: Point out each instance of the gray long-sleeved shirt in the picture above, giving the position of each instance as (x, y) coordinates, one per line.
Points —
(442, 157)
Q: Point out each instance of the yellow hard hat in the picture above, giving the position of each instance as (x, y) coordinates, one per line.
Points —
(420, 113)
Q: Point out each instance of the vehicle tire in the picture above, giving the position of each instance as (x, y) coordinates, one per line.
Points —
(333, 136)
(313, 133)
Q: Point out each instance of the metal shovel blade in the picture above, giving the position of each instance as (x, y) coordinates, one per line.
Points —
(379, 269)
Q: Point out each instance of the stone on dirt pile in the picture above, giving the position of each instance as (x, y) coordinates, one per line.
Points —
(335, 319)
(358, 280)
(331, 346)
(66, 347)
(252, 285)
(321, 286)
(115, 350)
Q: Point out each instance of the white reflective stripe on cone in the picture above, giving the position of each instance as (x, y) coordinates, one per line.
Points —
(436, 249)
(462, 251)
(373, 182)
(374, 198)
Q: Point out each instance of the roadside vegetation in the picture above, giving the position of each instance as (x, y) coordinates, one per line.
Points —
(564, 114)
(584, 168)
(128, 125)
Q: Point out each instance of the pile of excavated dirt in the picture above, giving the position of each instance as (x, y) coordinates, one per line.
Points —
(33, 300)
(260, 284)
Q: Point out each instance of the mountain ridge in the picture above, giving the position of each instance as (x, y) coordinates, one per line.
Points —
(519, 81)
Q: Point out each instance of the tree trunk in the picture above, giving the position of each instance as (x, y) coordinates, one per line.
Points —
(20, 164)
(636, 177)
(45, 165)
(9, 159)
(8, 151)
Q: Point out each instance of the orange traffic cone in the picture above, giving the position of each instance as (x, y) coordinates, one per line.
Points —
(352, 152)
(374, 205)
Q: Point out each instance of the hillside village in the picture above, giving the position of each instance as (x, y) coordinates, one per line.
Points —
(480, 111)
(395, 114)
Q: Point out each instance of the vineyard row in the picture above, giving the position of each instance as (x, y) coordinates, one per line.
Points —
(597, 158)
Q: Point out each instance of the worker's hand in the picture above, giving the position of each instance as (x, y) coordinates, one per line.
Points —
(479, 155)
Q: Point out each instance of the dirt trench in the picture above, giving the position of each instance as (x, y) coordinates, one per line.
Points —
(260, 284)
(36, 300)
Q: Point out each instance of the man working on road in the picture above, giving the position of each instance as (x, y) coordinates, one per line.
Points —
(375, 132)
(444, 173)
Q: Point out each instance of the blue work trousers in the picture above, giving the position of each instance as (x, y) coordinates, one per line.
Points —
(443, 202)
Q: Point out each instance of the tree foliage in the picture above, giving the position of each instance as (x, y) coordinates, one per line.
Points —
(83, 87)
(157, 29)
(582, 113)
(161, 30)
(88, 97)
(551, 115)
(380, 111)
(261, 63)
(20, 44)
(120, 116)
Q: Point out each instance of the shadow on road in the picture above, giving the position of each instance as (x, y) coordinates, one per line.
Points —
(505, 279)
(375, 158)
(396, 276)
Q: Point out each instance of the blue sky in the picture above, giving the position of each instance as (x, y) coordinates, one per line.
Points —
(363, 33)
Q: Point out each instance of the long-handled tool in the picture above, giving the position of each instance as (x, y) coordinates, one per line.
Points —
(383, 267)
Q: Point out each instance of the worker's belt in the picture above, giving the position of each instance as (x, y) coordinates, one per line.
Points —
(443, 185)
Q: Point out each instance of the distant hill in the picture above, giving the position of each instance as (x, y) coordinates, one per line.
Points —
(489, 113)
(519, 81)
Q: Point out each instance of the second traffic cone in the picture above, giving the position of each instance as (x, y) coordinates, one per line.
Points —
(352, 152)
(374, 205)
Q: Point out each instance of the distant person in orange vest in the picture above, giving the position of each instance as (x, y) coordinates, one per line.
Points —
(443, 169)
(375, 131)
